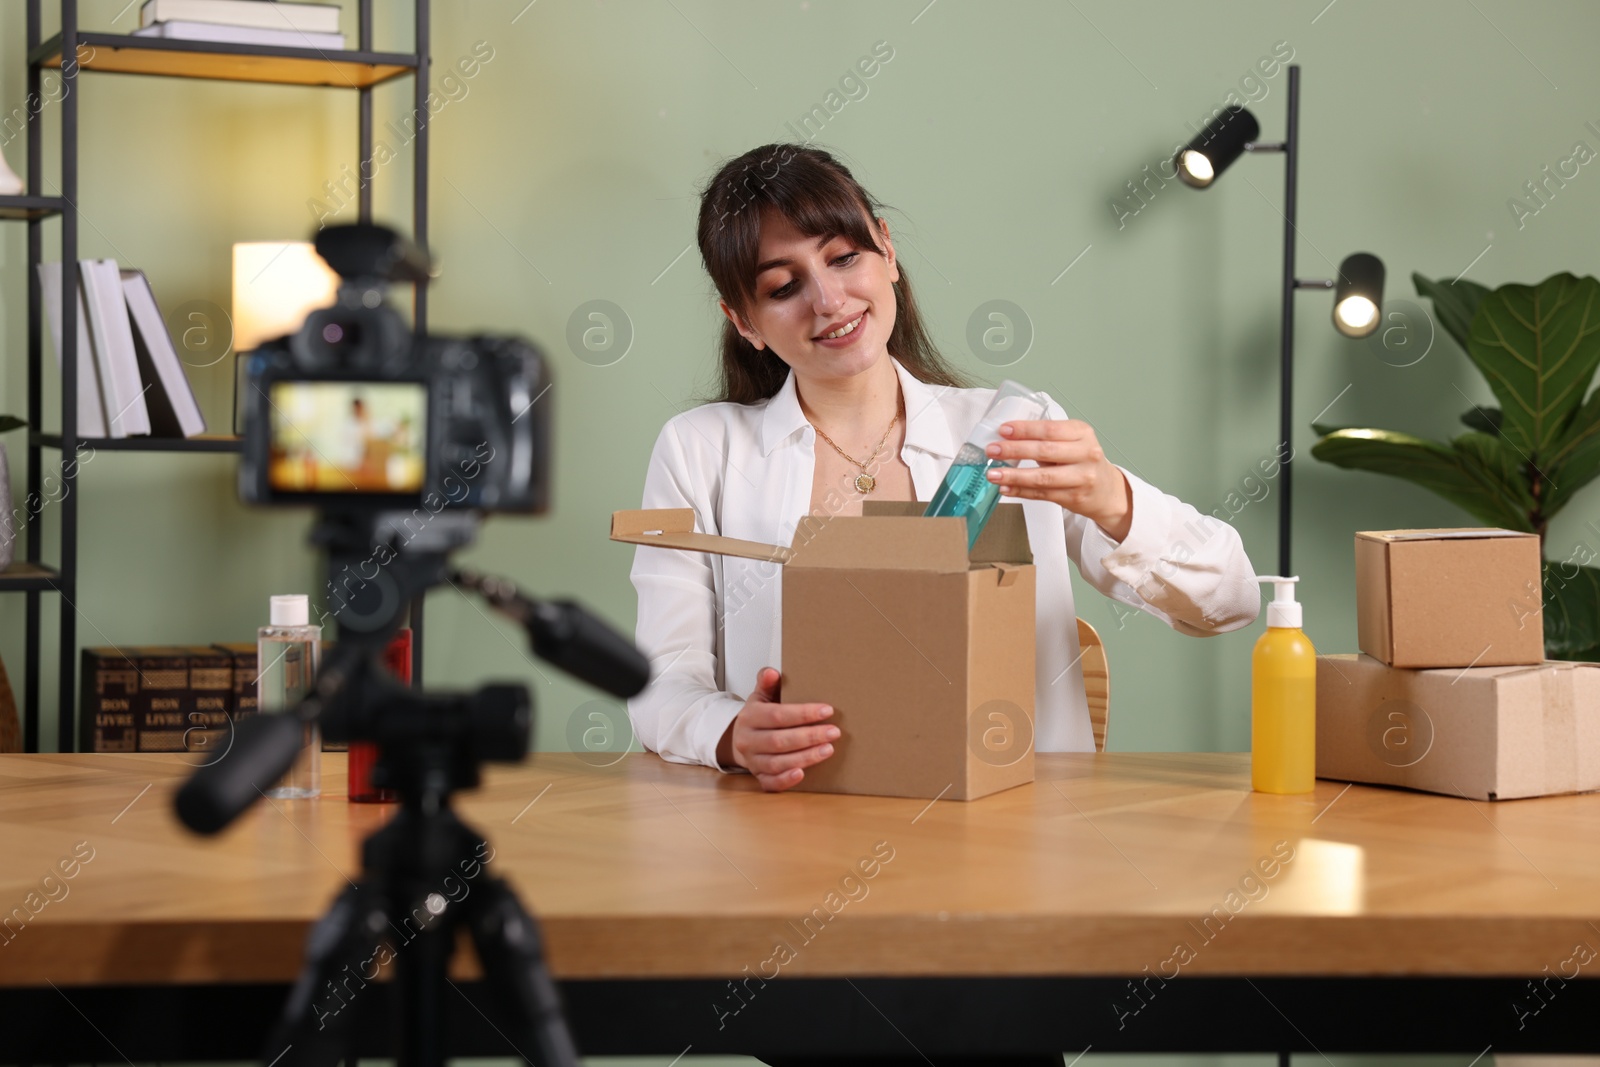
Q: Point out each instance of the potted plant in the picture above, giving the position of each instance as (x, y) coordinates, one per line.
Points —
(1519, 464)
(8, 532)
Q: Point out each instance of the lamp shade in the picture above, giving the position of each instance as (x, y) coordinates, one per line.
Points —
(275, 285)
(1358, 295)
(1218, 145)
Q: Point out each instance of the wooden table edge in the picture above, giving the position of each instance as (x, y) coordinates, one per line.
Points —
(260, 951)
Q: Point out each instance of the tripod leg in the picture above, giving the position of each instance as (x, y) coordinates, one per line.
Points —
(342, 958)
(511, 951)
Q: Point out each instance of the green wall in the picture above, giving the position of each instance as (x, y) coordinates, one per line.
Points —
(1001, 133)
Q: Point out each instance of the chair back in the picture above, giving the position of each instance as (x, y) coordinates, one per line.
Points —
(1096, 682)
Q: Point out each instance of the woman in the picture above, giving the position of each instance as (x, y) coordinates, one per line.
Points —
(832, 392)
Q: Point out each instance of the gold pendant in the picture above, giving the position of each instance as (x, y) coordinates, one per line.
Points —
(865, 483)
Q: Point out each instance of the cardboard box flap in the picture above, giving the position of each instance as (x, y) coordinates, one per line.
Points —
(1372, 596)
(1004, 538)
(674, 528)
(897, 538)
(1444, 534)
(886, 542)
(1008, 574)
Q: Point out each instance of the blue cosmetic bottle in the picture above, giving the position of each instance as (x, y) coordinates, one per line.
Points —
(966, 490)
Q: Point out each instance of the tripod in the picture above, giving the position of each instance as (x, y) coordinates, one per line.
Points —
(423, 878)
(404, 908)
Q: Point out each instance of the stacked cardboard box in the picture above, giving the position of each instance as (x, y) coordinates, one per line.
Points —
(1451, 692)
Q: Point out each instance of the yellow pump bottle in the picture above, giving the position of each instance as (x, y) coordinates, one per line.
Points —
(1283, 699)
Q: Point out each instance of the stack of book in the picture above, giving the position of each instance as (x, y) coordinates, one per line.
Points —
(130, 380)
(166, 698)
(264, 22)
(183, 698)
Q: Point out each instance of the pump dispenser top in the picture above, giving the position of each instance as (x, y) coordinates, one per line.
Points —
(1283, 611)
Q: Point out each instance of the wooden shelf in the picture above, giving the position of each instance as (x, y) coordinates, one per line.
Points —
(217, 61)
(204, 443)
(358, 69)
(30, 207)
(22, 576)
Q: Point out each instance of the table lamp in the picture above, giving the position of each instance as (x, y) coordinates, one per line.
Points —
(275, 285)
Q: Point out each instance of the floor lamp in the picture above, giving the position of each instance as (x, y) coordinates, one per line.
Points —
(1357, 291)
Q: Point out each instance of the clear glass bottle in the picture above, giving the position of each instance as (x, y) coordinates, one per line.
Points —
(288, 653)
(966, 490)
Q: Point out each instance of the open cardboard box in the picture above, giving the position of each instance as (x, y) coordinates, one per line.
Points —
(1494, 733)
(924, 649)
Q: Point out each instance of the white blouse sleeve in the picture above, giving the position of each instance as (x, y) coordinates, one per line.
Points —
(683, 712)
(1186, 568)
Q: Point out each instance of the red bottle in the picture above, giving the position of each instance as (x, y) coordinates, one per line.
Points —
(363, 754)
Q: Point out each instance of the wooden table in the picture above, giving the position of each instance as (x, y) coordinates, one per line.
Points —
(1128, 900)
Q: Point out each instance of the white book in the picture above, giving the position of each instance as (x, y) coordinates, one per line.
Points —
(171, 399)
(263, 14)
(126, 414)
(91, 411)
(216, 31)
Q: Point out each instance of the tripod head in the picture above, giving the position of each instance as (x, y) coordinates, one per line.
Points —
(430, 745)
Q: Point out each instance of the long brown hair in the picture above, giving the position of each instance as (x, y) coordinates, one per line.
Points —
(819, 197)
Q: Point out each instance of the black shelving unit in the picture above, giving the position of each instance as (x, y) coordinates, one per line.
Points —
(30, 207)
(359, 70)
(202, 443)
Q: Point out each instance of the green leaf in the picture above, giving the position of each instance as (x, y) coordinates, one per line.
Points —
(1455, 303)
(1473, 477)
(1576, 462)
(11, 422)
(1571, 610)
(1484, 420)
(1323, 429)
(1496, 463)
(1538, 346)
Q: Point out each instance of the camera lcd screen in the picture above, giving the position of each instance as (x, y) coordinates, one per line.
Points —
(347, 437)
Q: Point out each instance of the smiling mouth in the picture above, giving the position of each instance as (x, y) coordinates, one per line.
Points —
(843, 331)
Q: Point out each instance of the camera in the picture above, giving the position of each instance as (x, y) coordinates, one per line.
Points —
(367, 419)
(355, 410)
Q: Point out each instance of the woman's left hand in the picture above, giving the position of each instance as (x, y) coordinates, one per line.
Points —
(1073, 471)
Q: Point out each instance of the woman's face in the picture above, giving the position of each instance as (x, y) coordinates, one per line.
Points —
(807, 287)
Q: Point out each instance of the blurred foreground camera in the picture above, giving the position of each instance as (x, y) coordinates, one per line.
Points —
(403, 440)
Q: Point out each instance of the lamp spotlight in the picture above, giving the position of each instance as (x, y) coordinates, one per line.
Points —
(1358, 295)
(1222, 141)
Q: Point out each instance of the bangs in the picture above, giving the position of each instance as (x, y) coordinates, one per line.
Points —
(827, 211)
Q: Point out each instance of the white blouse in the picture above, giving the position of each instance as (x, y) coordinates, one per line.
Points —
(708, 623)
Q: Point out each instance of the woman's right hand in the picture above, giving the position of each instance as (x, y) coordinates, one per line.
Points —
(774, 741)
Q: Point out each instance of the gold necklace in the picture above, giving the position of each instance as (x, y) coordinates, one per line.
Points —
(865, 482)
